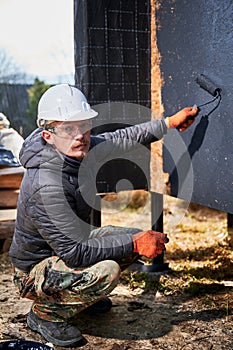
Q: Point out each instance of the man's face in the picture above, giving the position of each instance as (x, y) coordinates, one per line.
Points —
(69, 138)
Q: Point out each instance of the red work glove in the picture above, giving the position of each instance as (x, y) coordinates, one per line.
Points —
(149, 243)
(183, 119)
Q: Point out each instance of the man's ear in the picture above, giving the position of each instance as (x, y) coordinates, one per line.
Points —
(47, 136)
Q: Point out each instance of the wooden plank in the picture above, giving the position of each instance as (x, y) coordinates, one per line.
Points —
(11, 177)
(7, 223)
(8, 215)
(11, 181)
(11, 170)
(7, 229)
(8, 198)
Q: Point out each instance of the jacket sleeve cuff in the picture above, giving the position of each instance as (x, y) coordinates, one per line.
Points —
(159, 130)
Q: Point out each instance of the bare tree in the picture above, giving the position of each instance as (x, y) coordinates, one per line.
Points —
(10, 72)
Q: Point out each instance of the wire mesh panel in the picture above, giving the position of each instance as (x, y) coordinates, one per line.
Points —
(112, 50)
(112, 68)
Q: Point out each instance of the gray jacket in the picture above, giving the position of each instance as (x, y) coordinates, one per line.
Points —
(57, 194)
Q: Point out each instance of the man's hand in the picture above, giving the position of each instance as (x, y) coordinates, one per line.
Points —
(184, 118)
(149, 243)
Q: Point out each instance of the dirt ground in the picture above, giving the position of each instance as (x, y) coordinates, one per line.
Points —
(189, 308)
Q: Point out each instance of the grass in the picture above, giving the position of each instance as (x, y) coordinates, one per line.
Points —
(198, 253)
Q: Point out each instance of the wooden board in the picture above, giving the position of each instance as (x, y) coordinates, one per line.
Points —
(7, 223)
(8, 215)
(8, 198)
(7, 229)
(11, 177)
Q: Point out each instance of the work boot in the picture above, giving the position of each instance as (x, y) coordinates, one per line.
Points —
(100, 307)
(58, 333)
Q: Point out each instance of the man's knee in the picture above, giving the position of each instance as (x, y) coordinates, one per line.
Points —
(109, 269)
(108, 272)
(114, 269)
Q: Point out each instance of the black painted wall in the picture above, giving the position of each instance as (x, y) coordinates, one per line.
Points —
(196, 37)
(112, 63)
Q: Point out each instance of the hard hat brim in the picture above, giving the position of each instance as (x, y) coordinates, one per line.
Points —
(84, 115)
(77, 116)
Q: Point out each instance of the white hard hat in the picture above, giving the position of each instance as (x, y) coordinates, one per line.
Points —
(63, 103)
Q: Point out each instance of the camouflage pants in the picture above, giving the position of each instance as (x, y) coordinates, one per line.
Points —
(60, 292)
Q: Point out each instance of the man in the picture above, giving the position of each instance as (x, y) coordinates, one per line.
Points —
(60, 262)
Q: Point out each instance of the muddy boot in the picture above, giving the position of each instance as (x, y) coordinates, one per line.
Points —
(58, 333)
(100, 307)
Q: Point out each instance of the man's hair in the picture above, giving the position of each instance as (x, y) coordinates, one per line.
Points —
(47, 124)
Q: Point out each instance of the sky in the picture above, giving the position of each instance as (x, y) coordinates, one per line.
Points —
(38, 35)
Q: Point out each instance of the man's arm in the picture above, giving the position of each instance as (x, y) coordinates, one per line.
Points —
(64, 232)
(124, 140)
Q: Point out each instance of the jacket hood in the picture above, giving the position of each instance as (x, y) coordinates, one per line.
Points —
(36, 152)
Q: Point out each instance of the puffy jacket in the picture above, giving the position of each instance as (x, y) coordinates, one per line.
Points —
(57, 194)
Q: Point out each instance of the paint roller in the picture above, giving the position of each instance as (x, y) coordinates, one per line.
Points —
(209, 86)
